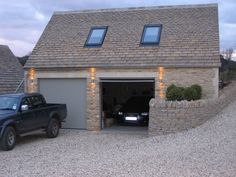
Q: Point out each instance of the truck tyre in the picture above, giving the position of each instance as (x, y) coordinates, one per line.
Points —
(52, 130)
(8, 140)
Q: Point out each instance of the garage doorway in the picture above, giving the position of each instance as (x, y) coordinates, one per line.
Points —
(125, 103)
(73, 93)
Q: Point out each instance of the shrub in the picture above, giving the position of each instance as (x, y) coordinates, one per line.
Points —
(174, 93)
(198, 88)
(190, 94)
(172, 86)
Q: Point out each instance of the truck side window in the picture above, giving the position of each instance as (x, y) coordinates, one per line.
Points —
(37, 102)
(26, 101)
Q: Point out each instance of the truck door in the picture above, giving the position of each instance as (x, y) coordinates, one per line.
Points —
(40, 110)
(27, 117)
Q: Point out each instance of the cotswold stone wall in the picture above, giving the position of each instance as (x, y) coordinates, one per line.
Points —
(174, 116)
(207, 78)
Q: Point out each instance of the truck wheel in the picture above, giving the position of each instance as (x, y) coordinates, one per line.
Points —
(8, 140)
(52, 130)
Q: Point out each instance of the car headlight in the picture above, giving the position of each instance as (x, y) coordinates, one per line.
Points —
(120, 113)
(144, 113)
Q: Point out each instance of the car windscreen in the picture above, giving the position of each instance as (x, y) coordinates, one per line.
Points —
(8, 103)
(137, 104)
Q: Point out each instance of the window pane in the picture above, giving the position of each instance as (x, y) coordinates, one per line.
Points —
(96, 36)
(151, 34)
(37, 101)
(26, 101)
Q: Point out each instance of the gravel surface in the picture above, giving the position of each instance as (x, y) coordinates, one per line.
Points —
(208, 150)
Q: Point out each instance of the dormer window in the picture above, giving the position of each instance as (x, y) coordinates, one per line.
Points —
(96, 36)
(151, 34)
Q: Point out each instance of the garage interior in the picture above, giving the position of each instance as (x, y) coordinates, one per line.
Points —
(115, 93)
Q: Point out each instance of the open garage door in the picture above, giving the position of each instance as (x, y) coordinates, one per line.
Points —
(72, 92)
(126, 101)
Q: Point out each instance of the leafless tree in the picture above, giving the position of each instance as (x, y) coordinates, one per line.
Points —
(228, 54)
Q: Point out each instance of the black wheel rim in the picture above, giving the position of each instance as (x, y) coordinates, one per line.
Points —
(55, 128)
(10, 138)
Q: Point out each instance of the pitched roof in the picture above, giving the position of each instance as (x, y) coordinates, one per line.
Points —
(190, 38)
(23, 59)
(11, 72)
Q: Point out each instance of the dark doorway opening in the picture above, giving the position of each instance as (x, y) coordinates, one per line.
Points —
(125, 103)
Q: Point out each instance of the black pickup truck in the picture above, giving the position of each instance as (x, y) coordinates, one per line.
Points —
(22, 113)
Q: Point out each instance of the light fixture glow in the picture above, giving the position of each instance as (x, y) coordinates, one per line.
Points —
(31, 80)
(161, 72)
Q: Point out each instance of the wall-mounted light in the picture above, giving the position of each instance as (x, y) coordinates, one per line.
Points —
(161, 72)
(92, 79)
(31, 80)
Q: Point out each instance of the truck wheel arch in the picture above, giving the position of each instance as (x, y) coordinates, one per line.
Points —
(55, 115)
(8, 124)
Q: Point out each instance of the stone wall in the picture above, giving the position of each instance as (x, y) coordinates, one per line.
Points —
(206, 77)
(93, 103)
(174, 116)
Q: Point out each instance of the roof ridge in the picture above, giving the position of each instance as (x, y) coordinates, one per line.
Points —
(6, 46)
(138, 8)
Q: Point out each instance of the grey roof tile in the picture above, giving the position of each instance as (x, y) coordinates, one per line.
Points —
(11, 71)
(190, 37)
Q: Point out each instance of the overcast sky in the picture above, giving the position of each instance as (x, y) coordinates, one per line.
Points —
(23, 21)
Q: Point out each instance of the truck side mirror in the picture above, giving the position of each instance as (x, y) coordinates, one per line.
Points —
(24, 107)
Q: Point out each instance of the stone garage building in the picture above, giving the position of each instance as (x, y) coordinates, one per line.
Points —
(83, 56)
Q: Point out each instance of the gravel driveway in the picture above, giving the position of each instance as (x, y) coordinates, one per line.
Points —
(208, 150)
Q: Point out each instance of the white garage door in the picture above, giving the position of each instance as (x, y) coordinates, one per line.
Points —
(72, 92)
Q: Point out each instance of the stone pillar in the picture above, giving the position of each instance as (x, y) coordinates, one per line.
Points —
(93, 101)
(31, 80)
(160, 83)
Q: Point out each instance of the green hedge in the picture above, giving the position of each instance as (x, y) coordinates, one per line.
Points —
(174, 93)
(198, 89)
